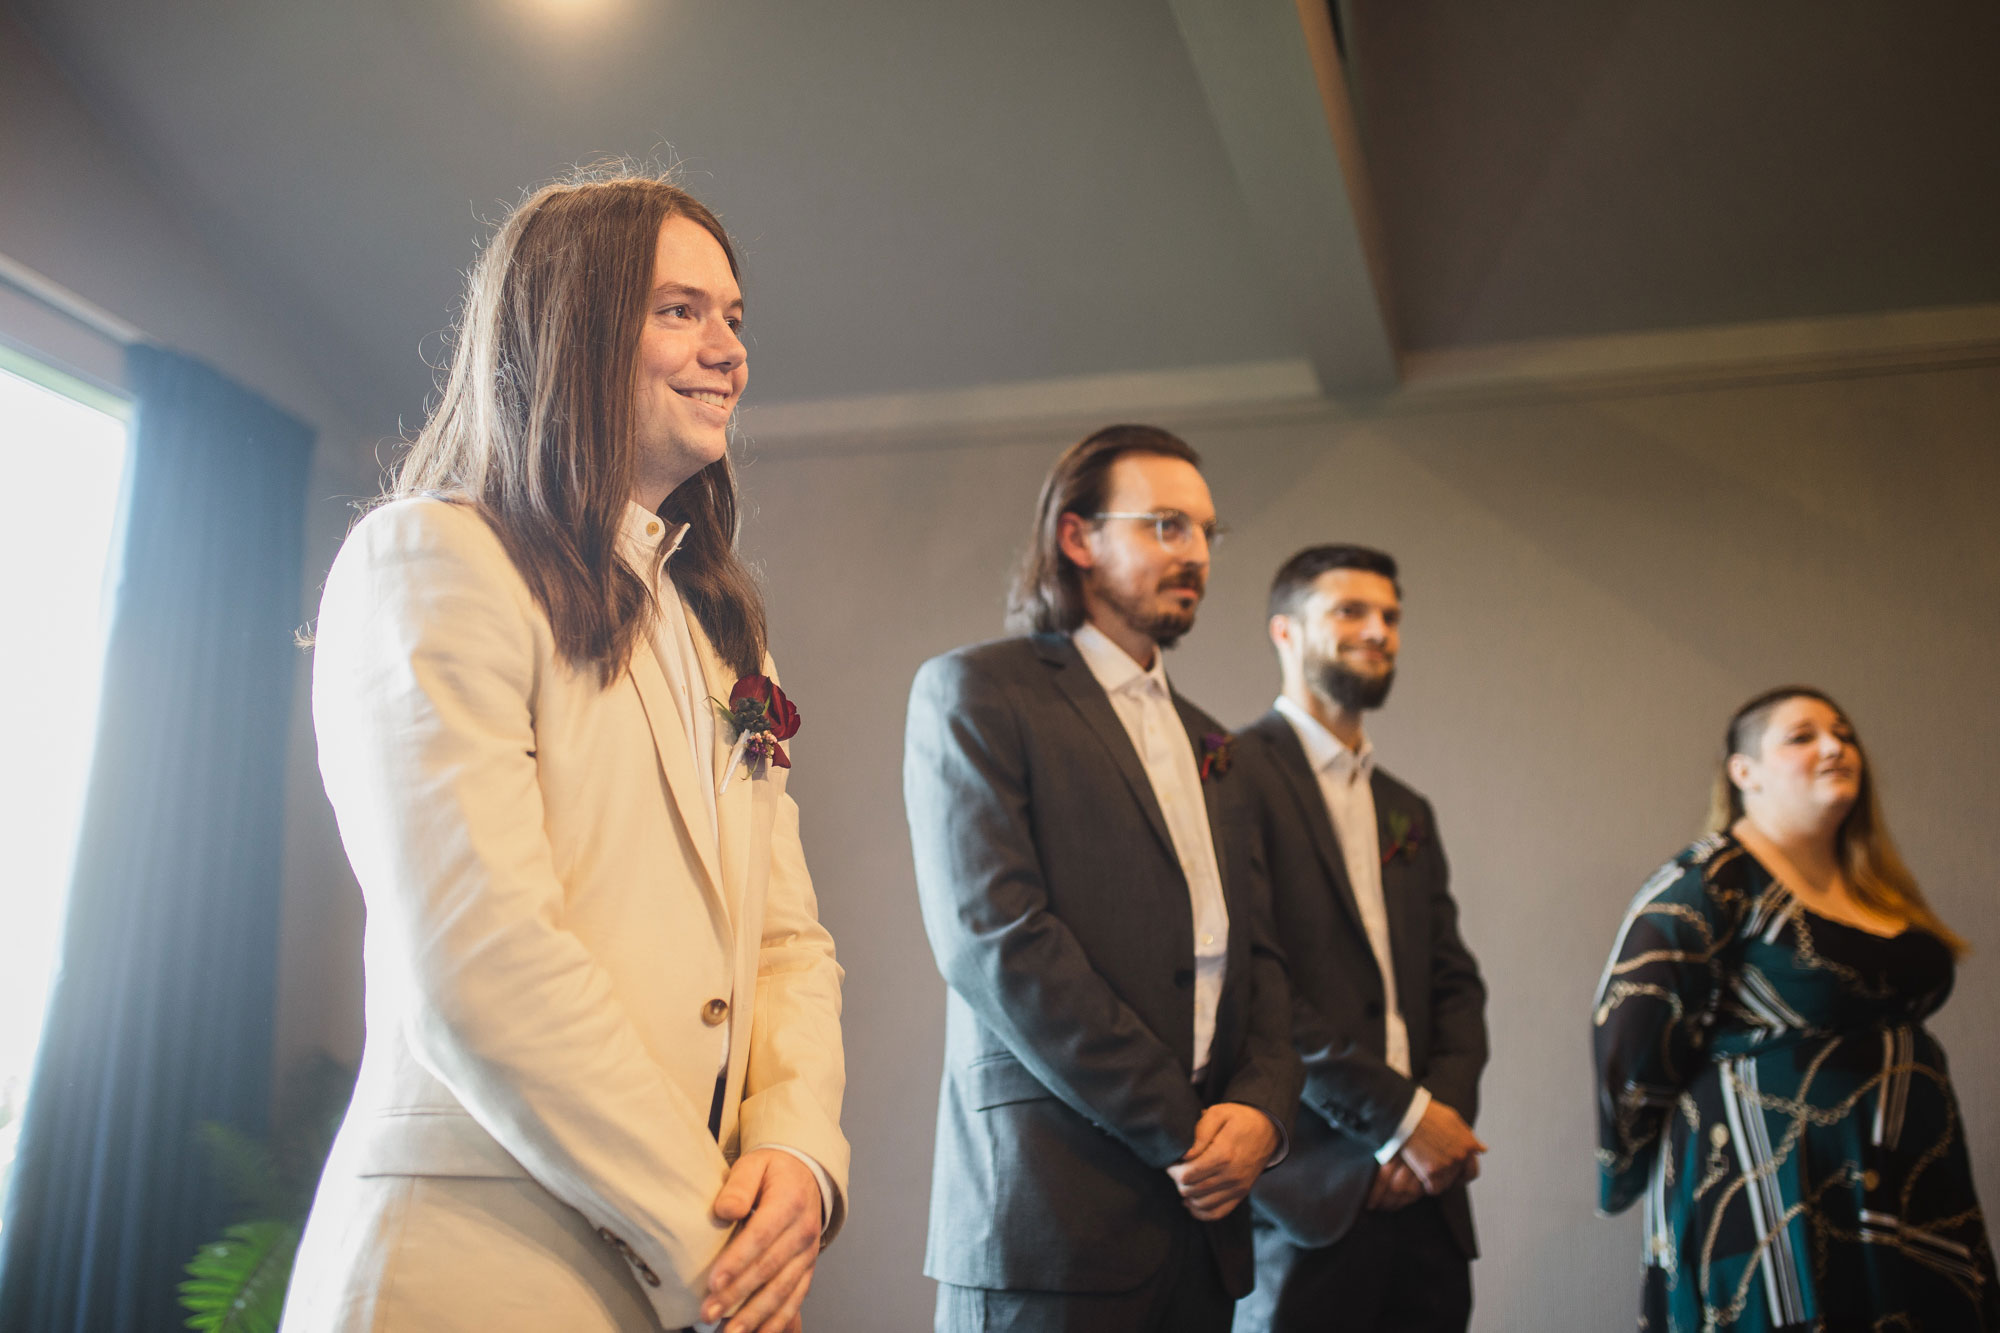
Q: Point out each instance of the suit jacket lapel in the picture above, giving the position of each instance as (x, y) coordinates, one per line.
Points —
(670, 742)
(1073, 678)
(1197, 734)
(1303, 783)
(734, 807)
(1408, 945)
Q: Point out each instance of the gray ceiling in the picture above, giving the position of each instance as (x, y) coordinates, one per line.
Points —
(1564, 167)
(934, 195)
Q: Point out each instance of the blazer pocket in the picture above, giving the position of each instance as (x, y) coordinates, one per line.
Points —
(999, 1080)
(419, 1141)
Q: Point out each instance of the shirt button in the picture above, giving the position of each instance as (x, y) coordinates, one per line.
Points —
(653, 529)
(714, 1012)
(1208, 939)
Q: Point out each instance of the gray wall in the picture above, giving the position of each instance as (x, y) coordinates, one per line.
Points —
(1592, 585)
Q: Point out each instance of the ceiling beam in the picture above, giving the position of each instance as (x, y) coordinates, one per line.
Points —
(1278, 95)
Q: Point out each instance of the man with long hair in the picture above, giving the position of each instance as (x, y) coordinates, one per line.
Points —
(1118, 1062)
(602, 1079)
(1370, 1217)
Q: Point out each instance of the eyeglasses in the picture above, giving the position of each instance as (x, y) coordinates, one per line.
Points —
(1173, 528)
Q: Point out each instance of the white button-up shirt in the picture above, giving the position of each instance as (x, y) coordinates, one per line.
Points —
(1145, 706)
(1344, 783)
(673, 644)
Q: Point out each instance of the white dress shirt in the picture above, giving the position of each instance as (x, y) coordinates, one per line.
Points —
(1344, 783)
(1145, 706)
(673, 644)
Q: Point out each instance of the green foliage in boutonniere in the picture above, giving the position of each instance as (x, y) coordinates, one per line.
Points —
(1405, 837)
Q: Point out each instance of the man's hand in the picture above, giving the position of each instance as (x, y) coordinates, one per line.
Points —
(1396, 1186)
(1440, 1148)
(1232, 1142)
(767, 1265)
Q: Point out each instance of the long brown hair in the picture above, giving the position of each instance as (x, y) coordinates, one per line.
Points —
(534, 427)
(1875, 872)
(1048, 592)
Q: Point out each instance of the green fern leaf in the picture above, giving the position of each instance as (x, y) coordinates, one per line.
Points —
(237, 1284)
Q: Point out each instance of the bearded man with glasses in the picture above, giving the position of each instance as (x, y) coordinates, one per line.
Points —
(1118, 1062)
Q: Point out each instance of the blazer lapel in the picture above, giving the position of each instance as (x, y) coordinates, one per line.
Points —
(734, 807)
(1408, 942)
(1073, 678)
(1197, 734)
(670, 742)
(1303, 783)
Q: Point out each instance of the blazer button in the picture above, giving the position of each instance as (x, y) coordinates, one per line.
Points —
(1183, 977)
(714, 1012)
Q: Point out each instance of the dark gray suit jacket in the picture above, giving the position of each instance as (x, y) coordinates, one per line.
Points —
(1353, 1101)
(1060, 918)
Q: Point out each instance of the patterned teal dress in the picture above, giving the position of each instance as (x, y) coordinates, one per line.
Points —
(1766, 1086)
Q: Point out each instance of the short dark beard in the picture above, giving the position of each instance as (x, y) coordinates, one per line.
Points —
(1167, 628)
(1351, 690)
(1164, 628)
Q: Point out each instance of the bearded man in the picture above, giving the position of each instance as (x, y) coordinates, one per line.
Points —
(1118, 1060)
(1368, 1227)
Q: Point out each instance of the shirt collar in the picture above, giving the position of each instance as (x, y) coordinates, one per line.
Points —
(639, 532)
(1113, 666)
(1323, 749)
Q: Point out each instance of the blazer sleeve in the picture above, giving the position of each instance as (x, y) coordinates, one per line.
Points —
(1346, 1083)
(429, 651)
(1269, 1076)
(797, 1072)
(1000, 948)
(1457, 995)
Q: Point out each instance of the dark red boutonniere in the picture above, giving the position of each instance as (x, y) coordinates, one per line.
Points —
(761, 716)
(1215, 755)
(1405, 837)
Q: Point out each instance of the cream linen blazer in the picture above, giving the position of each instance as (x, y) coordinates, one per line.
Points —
(549, 955)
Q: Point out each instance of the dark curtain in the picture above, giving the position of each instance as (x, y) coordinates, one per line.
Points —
(161, 1015)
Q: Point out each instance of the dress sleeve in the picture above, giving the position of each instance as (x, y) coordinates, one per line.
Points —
(1651, 1021)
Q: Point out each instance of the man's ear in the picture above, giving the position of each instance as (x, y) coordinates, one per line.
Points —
(1280, 629)
(1071, 533)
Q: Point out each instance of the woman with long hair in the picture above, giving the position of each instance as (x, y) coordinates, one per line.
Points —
(1765, 1082)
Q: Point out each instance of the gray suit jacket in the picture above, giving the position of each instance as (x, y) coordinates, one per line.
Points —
(1060, 919)
(1353, 1101)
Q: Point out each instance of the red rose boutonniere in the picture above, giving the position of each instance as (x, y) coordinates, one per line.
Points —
(761, 716)
(1405, 837)
(1215, 748)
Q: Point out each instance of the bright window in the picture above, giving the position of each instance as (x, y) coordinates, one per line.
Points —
(63, 447)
